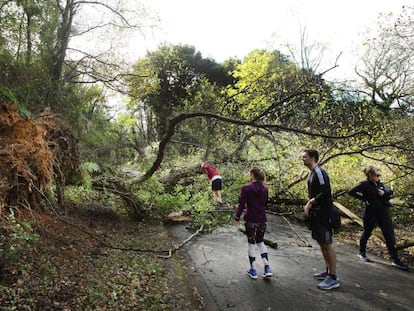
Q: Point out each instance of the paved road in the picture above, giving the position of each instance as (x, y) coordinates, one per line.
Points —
(216, 264)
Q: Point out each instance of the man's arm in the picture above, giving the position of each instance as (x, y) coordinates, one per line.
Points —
(324, 186)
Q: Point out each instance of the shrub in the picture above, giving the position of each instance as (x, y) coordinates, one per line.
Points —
(18, 238)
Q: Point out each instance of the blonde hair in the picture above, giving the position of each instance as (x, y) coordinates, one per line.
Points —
(371, 171)
(258, 174)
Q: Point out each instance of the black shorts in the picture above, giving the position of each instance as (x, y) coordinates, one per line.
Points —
(216, 184)
(320, 226)
(321, 233)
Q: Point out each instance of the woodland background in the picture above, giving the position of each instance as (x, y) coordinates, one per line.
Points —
(86, 183)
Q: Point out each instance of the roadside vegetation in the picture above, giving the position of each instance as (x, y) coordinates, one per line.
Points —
(87, 187)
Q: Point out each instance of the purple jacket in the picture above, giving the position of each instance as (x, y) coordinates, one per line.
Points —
(253, 201)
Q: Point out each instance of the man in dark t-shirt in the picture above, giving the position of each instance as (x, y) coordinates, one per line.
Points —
(317, 210)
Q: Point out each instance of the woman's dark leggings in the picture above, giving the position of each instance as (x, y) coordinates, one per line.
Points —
(255, 232)
(383, 219)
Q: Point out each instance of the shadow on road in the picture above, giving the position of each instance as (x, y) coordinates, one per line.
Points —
(216, 264)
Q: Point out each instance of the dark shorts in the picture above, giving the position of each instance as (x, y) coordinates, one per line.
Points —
(216, 184)
(320, 227)
(255, 232)
(321, 233)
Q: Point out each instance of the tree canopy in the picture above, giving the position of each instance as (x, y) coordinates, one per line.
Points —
(68, 148)
(189, 104)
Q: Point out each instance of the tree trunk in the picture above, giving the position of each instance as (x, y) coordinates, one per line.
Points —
(174, 178)
(131, 201)
(349, 214)
(405, 243)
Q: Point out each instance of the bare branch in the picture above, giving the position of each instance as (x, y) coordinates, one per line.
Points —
(273, 127)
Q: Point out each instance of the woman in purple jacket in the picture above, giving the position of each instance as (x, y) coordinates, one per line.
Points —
(253, 202)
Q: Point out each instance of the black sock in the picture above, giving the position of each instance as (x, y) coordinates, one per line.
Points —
(252, 262)
(333, 276)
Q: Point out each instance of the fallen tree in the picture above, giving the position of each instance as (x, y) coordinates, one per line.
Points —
(405, 243)
(183, 175)
(349, 214)
(116, 187)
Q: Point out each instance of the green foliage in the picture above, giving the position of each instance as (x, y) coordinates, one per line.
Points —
(7, 95)
(168, 77)
(167, 202)
(258, 75)
(87, 170)
(82, 192)
(202, 214)
(19, 238)
(90, 167)
(76, 195)
(36, 74)
(402, 216)
(151, 189)
(205, 214)
(27, 84)
(101, 138)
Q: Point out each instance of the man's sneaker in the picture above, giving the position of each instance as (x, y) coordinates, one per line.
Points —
(363, 256)
(252, 273)
(267, 272)
(400, 265)
(320, 275)
(329, 283)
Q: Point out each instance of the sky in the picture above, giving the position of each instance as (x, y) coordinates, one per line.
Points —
(221, 29)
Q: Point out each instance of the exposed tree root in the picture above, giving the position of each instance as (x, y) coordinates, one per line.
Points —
(33, 153)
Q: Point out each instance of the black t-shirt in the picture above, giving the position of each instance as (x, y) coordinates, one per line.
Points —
(319, 187)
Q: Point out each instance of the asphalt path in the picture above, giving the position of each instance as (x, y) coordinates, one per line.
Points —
(216, 265)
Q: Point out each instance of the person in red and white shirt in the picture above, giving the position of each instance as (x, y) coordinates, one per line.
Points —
(214, 177)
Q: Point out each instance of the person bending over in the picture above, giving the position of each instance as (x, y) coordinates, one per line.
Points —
(216, 181)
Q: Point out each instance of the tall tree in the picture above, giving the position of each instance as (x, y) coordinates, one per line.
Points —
(387, 65)
(166, 79)
(41, 33)
(271, 87)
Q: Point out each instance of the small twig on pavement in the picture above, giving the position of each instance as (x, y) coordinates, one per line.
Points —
(176, 247)
(307, 244)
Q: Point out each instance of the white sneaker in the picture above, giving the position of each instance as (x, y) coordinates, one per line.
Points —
(363, 257)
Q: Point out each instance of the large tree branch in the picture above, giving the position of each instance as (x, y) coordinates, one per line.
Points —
(361, 151)
(172, 124)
